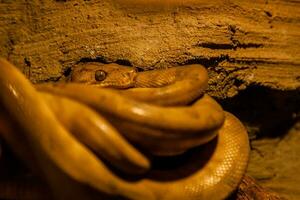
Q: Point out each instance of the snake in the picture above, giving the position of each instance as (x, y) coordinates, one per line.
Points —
(129, 119)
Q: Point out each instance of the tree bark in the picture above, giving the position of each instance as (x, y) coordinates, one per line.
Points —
(241, 42)
(249, 189)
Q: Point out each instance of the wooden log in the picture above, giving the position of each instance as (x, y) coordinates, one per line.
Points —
(241, 42)
(249, 189)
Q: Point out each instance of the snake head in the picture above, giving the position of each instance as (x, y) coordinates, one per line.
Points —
(104, 75)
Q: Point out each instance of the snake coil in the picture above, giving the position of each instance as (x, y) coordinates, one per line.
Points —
(67, 133)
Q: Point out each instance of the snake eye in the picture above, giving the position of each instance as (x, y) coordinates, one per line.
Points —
(100, 75)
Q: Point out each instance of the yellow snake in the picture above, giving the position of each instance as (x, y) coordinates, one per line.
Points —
(162, 112)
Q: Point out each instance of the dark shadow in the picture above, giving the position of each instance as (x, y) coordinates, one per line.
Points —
(266, 112)
(100, 59)
(175, 167)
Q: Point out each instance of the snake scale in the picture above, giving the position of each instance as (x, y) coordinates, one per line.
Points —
(120, 115)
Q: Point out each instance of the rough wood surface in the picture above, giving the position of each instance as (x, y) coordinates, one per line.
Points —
(250, 189)
(241, 42)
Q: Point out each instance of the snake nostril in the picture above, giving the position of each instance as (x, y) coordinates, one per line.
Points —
(100, 75)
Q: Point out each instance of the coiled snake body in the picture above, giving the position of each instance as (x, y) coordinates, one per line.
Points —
(157, 111)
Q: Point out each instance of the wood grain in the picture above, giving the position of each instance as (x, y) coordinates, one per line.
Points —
(241, 42)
